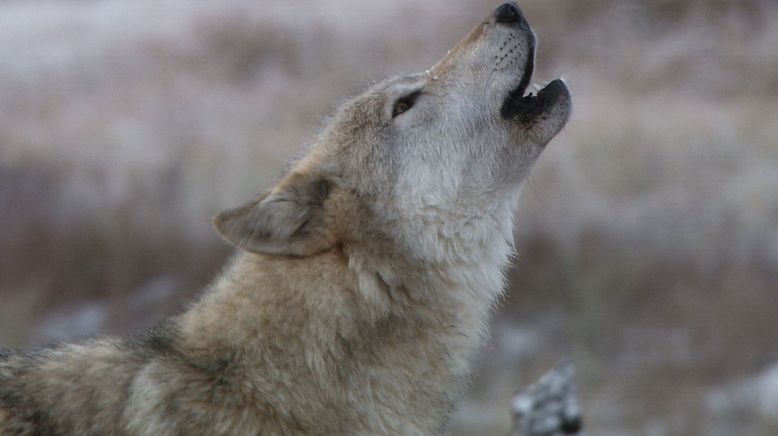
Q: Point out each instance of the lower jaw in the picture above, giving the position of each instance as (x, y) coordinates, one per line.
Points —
(526, 108)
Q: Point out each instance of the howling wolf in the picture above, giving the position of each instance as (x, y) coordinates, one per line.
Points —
(363, 281)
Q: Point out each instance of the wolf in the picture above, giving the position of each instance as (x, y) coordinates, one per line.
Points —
(362, 283)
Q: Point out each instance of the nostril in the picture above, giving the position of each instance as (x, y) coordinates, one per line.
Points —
(507, 13)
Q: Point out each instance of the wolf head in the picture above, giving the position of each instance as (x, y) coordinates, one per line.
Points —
(431, 160)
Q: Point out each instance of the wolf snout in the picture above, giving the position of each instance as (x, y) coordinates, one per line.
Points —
(509, 13)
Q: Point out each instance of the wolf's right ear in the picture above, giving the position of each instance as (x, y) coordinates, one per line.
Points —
(287, 220)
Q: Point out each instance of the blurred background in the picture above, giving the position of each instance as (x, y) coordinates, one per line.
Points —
(647, 236)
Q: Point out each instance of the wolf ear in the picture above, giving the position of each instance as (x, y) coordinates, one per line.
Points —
(287, 220)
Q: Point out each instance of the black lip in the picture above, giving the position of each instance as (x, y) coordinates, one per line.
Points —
(529, 107)
(513, 102)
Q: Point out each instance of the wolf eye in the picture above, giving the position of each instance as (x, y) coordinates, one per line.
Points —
(403, 104)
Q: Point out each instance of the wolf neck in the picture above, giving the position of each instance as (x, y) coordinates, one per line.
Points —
(440, 298)
(468, 247)
(447, 268)
(441, 254)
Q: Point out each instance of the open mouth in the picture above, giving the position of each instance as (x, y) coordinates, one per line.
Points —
(521, 107)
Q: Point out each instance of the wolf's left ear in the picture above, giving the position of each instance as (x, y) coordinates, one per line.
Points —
(287, 220)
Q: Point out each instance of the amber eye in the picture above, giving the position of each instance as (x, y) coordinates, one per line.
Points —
(400, 107)
(404, 104)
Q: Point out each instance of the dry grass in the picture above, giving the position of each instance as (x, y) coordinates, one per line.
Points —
(647, 243)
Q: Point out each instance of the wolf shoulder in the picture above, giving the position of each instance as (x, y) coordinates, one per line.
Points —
(83, 388)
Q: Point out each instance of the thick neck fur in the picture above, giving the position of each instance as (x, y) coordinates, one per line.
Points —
(396, 332)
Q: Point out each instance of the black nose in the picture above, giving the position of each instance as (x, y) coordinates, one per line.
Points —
(507, 13)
